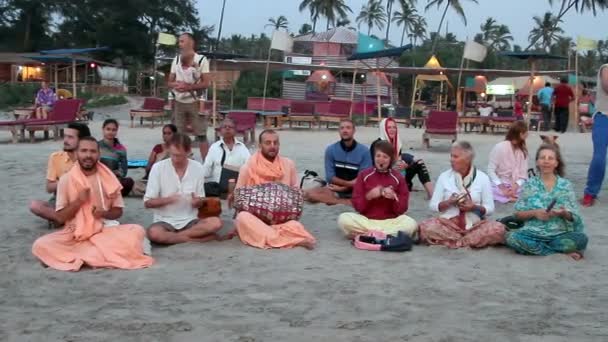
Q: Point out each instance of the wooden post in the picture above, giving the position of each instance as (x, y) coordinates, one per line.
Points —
(266, 79)
(530, 90)
(352, 91)
(379, 108)
(74, 78)
(574, 123)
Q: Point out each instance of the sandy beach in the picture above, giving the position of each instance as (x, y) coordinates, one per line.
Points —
(225, 291)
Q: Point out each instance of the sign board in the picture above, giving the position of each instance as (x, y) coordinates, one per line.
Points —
(500, 89)
(299, 60)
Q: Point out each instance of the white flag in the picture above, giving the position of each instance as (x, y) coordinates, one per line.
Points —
(281, 40)
(475, 51)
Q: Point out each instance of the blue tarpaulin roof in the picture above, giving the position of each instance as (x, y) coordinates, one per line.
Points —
(58, 59)
(74, 51)
(394, 52)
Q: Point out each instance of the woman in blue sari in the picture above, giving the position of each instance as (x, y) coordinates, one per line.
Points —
(549, 209)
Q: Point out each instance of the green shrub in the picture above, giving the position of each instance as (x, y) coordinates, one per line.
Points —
(17, 94)
(106, 100)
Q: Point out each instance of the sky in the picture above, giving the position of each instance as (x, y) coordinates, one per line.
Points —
(248, 17)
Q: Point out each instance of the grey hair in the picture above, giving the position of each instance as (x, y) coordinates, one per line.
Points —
(466, 147)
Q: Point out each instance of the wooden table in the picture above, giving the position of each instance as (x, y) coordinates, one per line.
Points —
(23, 113)
(481, 121)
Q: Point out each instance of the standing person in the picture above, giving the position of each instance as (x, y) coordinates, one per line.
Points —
(508, 165)
(403, 162)
(380, 197)
(599, 135)
(548, 208)
(189, 75)
(563, 95)
(59, 163)
(114, 155)
(45, 99)
(545, 97)
(175, 191)
(343, 162)
(89, 202)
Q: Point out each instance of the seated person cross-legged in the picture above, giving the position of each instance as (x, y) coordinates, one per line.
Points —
(88, 203)
(343, 162)
(268, 166)
(462, 197)
(548, 208)
(224, 160)
(176, 191)
(380, 197)
(114, 155)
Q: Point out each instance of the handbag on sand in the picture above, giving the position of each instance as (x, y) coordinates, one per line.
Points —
(378, 241)
(273, 203)
(212, 207)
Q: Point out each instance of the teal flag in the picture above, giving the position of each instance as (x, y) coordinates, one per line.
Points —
(469, 82)
(572, 79)
(368, 44)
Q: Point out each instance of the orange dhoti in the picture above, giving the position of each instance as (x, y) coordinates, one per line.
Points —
(253, 232)
(113, 247)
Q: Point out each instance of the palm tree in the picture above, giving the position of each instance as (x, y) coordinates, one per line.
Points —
(372, 15)
(546, 30)
(314, 6)
(342, 22)
(602, 50)
(278, 23)
(406, 17)
(579, 6)
(305, 29)
(456, 5)
(333, 9)
(495, 36)
(418, 30)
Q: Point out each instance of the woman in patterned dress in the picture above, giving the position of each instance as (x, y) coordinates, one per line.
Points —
(548, 206)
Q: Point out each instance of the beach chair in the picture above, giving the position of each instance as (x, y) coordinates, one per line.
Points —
(245, 121)
(152, 108)
(504, 119)
(302, 111)
(440, 125)
(63, 113)
(338, 109)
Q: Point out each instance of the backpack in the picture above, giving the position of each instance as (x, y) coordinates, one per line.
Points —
(378, 241)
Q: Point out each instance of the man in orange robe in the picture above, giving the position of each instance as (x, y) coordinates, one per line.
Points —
(88, 202)
(267, 166)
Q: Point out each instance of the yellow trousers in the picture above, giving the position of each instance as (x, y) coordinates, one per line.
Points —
(353, 224)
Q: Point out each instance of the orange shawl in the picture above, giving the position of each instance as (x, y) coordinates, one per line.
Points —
(259, 170)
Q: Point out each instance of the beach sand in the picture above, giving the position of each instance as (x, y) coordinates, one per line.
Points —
(225, 291)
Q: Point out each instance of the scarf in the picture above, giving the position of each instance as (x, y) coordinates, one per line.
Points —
(384, 136)
(466, 219)
(601, 98)
(262, 170)
(84, 224)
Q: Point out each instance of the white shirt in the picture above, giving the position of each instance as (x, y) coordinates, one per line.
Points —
(480, 190)
(164, 182)
(485, 111)
(213, 162)
(190, 75)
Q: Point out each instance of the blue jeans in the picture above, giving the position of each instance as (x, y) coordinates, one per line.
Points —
(597, 168)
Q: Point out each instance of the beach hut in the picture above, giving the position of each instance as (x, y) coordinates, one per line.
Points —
(419, 83)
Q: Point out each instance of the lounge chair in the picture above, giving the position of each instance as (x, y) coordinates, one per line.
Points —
(440, 125)
(504, 119)
(152, 108)
(245, 121)
(63, 113)
(338, 110)
(302, 111)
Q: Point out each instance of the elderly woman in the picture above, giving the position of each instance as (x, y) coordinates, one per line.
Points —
(508, 166)
(462, 197)
(548, 207)
(380, 196)
(404, 163)
(45, 99)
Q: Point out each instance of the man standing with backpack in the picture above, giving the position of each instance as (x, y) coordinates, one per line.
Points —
(189, 77)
